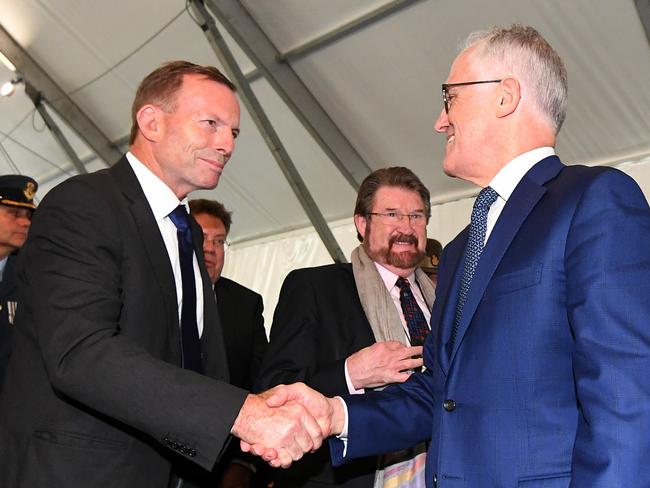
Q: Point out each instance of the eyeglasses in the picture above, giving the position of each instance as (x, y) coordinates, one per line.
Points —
(447, 86)
(217, 242)
(396, 217)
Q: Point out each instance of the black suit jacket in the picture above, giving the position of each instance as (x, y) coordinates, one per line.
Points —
(241, 310)
(94, 395)
(242, 321)
(8, 300)
(318, 323)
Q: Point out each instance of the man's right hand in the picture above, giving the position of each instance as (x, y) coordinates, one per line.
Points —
(383, 363)
(328, 412)
(288, 429)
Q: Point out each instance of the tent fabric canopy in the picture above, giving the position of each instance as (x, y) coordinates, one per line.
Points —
(373, 66)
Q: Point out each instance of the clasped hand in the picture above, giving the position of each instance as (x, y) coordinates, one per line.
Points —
(285, 422)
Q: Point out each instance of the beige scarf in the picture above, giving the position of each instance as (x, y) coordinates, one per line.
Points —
(376, 300)
(386, 325)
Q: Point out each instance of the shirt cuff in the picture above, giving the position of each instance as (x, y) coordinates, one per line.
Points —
(348, 381)
(343, 436)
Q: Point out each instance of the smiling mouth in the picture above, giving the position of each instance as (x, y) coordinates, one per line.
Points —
(217, 164)
(404, 240)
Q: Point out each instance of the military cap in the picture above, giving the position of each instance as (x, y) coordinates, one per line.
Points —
(429, 263)
(17, 191)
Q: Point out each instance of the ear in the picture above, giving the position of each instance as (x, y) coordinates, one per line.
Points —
(510, 96)
(360, 222)
(149, 122)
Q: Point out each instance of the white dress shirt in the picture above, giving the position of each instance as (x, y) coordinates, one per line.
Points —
(507, 179)
(163, 201)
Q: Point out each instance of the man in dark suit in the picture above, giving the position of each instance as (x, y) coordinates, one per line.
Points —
(340, 328)
(118, 373)
(16, 207)
(240, 310)
(538, 372)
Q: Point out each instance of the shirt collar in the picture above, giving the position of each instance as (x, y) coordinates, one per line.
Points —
(390, 278)
(507, 179)
(161, 198)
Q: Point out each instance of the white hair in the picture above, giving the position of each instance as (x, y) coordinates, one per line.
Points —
(526, 53)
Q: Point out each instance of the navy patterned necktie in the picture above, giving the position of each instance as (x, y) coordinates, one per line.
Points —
(473, 250)
(190, 345)
(413, 315)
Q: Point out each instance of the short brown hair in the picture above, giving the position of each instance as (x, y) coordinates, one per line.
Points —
(212, 207)
(396, 176)
(160, 86)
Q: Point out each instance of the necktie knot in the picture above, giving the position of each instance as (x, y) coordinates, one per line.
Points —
(180, 218)
(486, 197)
(403, 284)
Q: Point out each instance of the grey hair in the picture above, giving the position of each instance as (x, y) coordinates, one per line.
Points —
(524, 51)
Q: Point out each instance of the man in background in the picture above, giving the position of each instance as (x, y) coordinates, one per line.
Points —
(240, 310)
(429, 263)
(16, 207)
(348, 328)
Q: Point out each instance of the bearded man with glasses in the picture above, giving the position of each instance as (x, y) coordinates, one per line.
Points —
(341, 328)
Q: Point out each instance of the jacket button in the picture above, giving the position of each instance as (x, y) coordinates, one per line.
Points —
(192, 453)
(449, 405)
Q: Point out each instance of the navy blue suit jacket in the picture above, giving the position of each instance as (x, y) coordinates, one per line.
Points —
(550, 373)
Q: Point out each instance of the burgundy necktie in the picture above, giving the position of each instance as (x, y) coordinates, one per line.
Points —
(417, 324)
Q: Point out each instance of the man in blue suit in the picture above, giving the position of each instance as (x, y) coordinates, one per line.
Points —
(541, 377)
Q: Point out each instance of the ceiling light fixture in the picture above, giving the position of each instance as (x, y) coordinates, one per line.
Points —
(8, 88)
(6, 62)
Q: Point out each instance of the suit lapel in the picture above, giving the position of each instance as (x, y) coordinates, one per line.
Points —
(522, 201)
(150, 237)
(213, 351)
(442, 316)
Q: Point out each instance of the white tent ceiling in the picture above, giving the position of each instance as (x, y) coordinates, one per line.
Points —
(378, 83)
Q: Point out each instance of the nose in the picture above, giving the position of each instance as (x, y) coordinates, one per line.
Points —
(208, 246)
(24, 221)
(442, 122)
(225, 141)
(405, 225)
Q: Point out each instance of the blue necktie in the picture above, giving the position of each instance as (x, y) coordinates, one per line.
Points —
(473, 250)
(190, 345)
(413, 315)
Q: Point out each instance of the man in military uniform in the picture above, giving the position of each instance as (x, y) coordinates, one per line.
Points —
(16, 207)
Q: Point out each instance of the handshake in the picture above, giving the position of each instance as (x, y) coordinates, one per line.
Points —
(285, 422)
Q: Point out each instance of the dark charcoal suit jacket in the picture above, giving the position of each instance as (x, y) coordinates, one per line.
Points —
(318, 323)
(94, 395)
(241, 310)
(242, 321)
